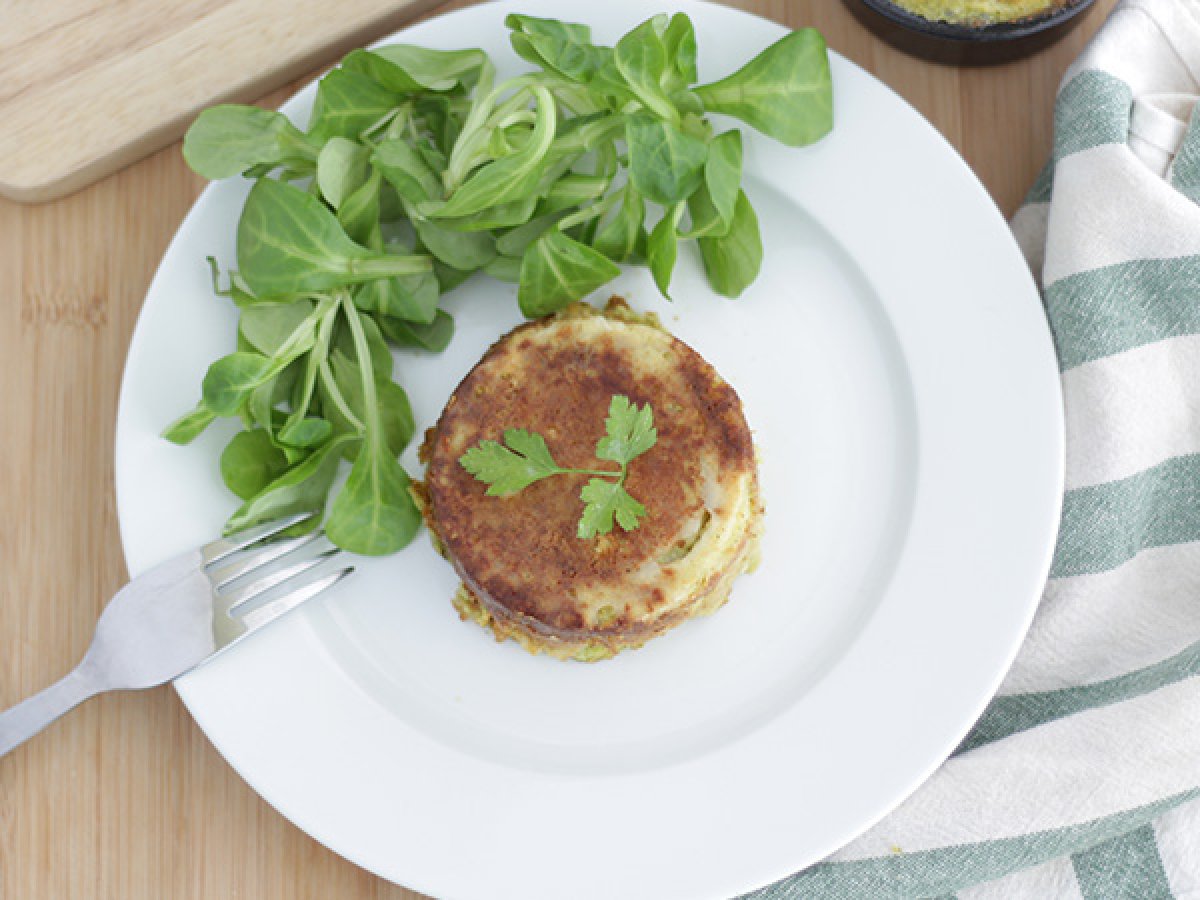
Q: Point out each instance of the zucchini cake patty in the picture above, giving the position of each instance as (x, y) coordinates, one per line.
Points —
(526, 575)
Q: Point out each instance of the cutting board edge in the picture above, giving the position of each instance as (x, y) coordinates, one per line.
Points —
(246, 91)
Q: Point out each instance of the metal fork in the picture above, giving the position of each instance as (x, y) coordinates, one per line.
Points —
(180, 613)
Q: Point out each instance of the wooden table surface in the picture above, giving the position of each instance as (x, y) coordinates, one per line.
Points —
(125, 798)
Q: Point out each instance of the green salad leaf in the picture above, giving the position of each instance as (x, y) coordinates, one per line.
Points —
(227, 140)
(785, 92)
(250, 462)
(343, 166)
(556, 269)
(348, 104)
(289, 242)
(406, 69)
(641, 58)
(666, 164)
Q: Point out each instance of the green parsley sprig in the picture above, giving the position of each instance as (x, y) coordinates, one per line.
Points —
(524, 458)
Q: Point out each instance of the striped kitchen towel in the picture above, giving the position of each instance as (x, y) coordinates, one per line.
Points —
(1082, 779)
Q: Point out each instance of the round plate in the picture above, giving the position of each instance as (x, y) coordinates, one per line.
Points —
(900, 380)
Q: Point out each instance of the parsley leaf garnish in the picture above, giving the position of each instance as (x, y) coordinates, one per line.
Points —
(524, 458)
(511, 468)
(603, 501)
(630, 430)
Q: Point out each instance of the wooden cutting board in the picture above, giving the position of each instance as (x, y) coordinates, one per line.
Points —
(89, 86)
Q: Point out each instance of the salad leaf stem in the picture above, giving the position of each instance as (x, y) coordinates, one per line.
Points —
(384, 266)
(363, 353)
(335, 394)
(593, 211)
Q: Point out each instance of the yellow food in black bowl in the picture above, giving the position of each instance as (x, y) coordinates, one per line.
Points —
(981, 13)
(969, 31)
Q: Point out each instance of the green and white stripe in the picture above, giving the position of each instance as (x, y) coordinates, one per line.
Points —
(1130, 411)
(1082, 778)
(1071, 642)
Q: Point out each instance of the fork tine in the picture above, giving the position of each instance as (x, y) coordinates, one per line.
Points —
(244, 595)
(269, 612)
(260, 556)
(219, 549)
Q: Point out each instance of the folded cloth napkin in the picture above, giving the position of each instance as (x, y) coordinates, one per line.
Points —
(1082, 778)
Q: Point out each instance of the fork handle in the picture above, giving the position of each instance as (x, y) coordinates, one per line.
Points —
(28, 717)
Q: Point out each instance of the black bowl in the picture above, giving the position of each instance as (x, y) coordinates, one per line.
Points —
(966, 44)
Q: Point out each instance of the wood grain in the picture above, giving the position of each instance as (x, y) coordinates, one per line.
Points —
(125, 799)
(89, 86)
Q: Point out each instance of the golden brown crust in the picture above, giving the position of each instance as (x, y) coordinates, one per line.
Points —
(519, 556)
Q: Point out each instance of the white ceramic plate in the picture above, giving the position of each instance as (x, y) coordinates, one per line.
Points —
(898, 373)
